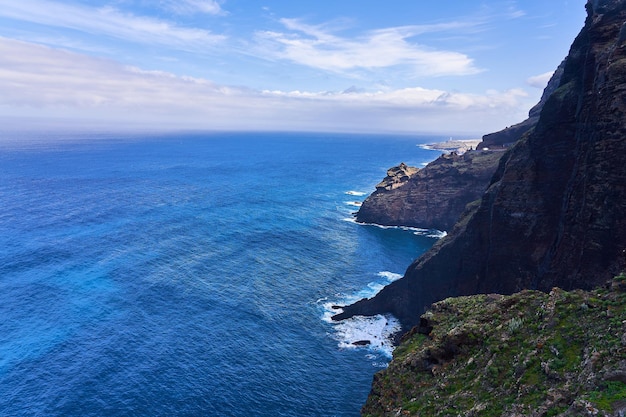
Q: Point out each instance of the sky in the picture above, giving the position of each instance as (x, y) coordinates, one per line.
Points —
(449, 67)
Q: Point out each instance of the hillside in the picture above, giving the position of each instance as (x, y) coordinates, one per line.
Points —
(528, 354)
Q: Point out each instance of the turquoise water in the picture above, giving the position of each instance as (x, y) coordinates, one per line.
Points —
(193, 274)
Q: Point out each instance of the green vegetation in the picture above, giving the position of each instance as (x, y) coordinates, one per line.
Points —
(609, 394)
(530, 354)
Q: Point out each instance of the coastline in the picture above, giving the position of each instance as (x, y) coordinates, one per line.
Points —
(459, 146)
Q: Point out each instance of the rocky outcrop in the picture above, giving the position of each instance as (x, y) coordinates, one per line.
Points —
(553, 214)
(433, 197)
(396, 177)
(529, 354)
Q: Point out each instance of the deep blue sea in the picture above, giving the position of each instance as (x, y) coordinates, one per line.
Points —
(193, 274)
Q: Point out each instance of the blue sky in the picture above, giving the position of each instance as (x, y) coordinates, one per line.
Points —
(447, 67)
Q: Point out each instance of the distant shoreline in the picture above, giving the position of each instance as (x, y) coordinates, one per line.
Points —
(459, 146)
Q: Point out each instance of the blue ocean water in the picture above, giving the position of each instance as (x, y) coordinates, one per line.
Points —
(192, 274)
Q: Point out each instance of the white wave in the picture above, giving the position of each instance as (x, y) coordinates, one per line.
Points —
(390, 276)
(427, 147)
(330, 308)
(375, 288)
(380, 226)
(354, 203)
(373, 333)
(413, 229)
(418, 231)
(356, 193)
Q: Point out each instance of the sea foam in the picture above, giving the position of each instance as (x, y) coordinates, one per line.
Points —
(418, 231)
(377, 331)
(374, 333)
(356, 193)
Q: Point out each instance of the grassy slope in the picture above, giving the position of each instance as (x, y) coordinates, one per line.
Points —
(528, 354)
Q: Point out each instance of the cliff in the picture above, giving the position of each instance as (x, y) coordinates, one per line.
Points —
(433, 197)
(396, 177)
(553, 214)
(529, 354)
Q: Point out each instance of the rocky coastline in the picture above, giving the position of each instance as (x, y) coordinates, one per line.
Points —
(458, 146)
(552, 212)
(546, 233)
(432, 197)
(436, 196)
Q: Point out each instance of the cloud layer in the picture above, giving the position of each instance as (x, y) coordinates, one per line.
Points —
(57, 83)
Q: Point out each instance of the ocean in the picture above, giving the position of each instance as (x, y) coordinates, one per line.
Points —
(194, 274)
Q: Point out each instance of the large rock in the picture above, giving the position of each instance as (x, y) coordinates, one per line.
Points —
(396, 177)
(433, 197)
(553, 214)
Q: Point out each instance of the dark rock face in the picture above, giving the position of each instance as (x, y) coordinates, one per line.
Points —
(506, 137)
(554, 213)
(433, 197)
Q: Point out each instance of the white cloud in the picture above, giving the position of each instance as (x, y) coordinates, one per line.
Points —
(416, 98)
(317, 47)
(515, 13)
(38, 81)
(540, 81)
(109, 22)
(195, 6)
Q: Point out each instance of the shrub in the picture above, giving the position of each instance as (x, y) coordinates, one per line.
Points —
(515, 324)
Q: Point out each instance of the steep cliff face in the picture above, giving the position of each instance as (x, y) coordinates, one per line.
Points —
(434, 196)
(554, 213)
